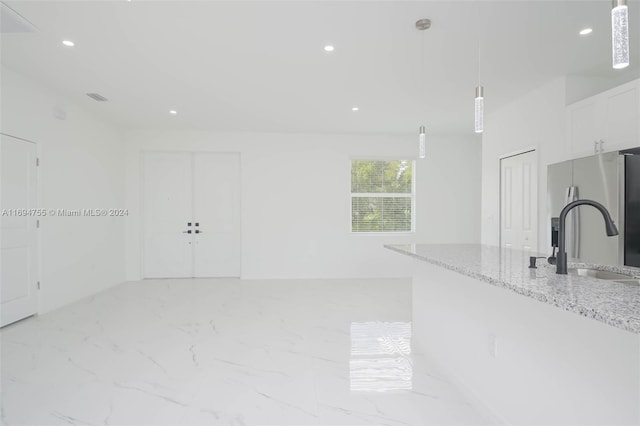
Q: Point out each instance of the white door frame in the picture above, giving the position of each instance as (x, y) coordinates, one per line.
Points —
(499, 165)
(39, 253)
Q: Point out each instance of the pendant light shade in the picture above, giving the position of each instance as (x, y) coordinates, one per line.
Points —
(620, 34)
(479, 110)
(422, 152)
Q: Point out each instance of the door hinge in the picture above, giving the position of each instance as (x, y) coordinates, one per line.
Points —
(37, 162)
(38, 285)
(38, 223)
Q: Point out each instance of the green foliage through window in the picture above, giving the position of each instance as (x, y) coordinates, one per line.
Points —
(381, 195)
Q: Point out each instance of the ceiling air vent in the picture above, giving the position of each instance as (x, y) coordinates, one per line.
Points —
(11, 22)
(97, 97)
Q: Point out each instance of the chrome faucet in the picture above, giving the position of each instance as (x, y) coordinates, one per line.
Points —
(610, 227)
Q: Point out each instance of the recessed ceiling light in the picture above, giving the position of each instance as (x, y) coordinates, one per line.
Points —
(173, 111)
(329, 48)
(68, 43)
(355, 109)
(586, 31)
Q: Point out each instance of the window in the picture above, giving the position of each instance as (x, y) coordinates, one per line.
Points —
(382, 196)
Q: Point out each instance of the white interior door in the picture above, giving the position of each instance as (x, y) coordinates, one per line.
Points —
(519, 202)
(167, 186)
(192, 215)
(216, 212)
(18, 262)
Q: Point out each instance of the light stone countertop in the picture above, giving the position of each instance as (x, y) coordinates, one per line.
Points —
(614, 303)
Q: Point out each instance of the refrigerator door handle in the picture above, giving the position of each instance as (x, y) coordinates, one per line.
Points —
(568, 195)
(576, 225)
(573, 237)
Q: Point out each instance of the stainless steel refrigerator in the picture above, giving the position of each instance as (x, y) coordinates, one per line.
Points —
(613, 180)
(632, 210)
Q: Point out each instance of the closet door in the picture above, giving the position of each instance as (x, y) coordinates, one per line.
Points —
(216, 215)
(167, 204)
(519, 202)
(18, 251)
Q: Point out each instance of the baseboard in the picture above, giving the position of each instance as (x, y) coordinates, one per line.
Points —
(257, 277)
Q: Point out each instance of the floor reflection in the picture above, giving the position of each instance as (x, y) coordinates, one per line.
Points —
(380, 356)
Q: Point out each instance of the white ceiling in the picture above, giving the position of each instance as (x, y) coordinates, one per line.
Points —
(260, 65)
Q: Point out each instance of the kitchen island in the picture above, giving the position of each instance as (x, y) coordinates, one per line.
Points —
(528, 345)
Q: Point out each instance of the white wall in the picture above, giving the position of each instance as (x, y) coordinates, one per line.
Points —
(82, 166)
(534, 121)
(296, 205)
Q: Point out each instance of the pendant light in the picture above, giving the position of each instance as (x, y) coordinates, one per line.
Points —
(479, 110)
(479, 100)
(422, 25)
(620, 34)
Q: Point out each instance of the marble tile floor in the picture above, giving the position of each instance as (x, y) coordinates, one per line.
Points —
(227, 352)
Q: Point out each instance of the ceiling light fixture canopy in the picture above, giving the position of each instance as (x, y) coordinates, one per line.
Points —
(586, 31)
(620, 34)
(423, 24)
(68, 43)
(329, 48)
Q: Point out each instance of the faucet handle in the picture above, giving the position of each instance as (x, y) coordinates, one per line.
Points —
(552, 259)
(532, 261)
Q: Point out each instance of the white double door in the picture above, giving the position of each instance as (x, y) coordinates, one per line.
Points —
(18, 256)
(191, 205)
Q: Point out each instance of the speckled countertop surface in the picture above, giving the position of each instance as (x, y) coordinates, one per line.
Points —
(614, 303)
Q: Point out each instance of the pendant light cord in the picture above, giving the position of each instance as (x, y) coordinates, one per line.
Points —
(479, 35)
(423, 66)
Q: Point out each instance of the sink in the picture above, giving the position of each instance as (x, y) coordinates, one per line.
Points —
(603, 275)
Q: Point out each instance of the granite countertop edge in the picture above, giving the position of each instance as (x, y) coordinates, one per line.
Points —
(563, 303)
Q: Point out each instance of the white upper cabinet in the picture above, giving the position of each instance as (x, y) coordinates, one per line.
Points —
(605, 122)
(585, 131)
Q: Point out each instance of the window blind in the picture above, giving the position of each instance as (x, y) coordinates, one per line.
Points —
(382, 196)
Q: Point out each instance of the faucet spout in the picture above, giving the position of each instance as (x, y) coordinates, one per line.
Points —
(610, 228)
